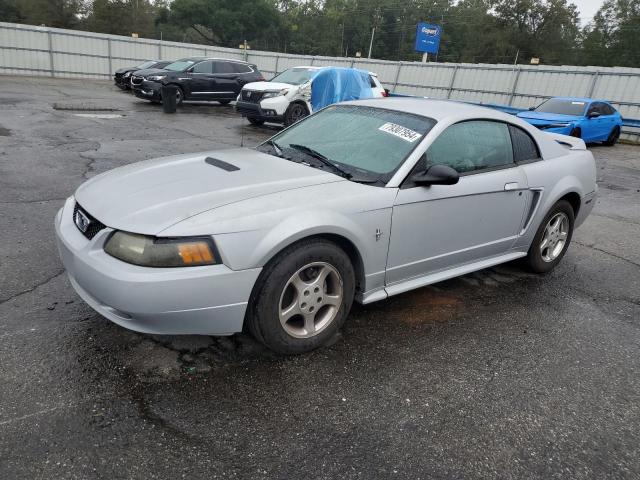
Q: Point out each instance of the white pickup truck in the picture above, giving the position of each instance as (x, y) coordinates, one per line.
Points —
(286, 98)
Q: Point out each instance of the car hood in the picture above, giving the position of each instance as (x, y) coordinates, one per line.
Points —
(125, 69)
(148, 197)
(264, 86)
(536, 118)
(150, 71)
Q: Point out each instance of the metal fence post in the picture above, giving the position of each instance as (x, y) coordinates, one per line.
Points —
(160, 50)
(312, 59)
(513, 88)
(109, 55)
(395, 83)
(453, 80)
(594, 80)
(51, 66)
(276, 67)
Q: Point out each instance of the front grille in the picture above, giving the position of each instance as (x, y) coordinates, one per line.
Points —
(94, 225)
(136, 80)
(251, 96)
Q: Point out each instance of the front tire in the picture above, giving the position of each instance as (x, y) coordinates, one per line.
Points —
(295, 112)
(302, 297)
(552, 238)
(576, 132)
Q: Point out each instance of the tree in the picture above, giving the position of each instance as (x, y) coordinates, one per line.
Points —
(612, 37)
(121, 17)
(228, 22)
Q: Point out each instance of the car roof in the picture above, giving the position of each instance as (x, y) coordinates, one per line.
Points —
(319, 67)
(200, 59)
(436, 109)
(580, 99)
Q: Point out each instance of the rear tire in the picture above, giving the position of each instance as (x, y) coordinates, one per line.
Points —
(255, 121)
(295, 113)
(613, 137)
(552, 238)
(302, 297)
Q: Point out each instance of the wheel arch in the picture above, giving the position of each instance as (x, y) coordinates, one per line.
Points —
(574, 200)
(346, 244)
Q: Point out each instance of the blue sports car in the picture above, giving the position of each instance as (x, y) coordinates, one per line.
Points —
(585, 118)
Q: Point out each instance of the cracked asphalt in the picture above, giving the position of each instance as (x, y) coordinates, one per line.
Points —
(498, 374)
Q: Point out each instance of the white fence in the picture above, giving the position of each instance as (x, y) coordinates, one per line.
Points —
(30, 50)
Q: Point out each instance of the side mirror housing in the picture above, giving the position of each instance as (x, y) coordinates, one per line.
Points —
(593, 114)
(531, 109)
(436, 175)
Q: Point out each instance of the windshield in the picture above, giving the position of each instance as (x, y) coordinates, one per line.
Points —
(144, 65)
(295, 76)
(562, 107)
(179, 65)
(364, 141)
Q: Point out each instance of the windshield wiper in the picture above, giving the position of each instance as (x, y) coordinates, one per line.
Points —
(276, 148)
(318, 156)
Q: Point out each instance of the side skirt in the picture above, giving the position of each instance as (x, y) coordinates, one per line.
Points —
(440, 276)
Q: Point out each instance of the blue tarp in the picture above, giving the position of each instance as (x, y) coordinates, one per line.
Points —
(334, 84)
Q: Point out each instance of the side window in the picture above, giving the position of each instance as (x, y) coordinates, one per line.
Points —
(372, 82)
(472, 145)
(240, 68)
(203, 67)
(223, 67)
(524, 147)
(598, 108)
(609, 110)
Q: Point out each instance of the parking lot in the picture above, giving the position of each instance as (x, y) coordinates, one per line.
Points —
(498, 374)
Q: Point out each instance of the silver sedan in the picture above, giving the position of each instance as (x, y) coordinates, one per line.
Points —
(362, 200)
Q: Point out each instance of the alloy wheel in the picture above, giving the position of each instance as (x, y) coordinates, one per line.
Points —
(310, 300)
(555, 237)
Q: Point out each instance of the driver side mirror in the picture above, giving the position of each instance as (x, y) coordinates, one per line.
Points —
(436, 175)
(531, 109)
(593, 114)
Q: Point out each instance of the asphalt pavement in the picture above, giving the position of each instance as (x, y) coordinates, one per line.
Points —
(498, 374)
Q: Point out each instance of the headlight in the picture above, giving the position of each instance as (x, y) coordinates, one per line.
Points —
(128, 74)
(559, 125)
(161, 252)
(275, 93)
(156, 78)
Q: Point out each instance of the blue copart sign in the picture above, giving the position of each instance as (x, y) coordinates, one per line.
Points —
(428, 37)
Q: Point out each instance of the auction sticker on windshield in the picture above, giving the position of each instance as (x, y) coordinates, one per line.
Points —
(400, 131)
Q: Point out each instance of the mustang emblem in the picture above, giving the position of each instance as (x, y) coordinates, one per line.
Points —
(82, 221)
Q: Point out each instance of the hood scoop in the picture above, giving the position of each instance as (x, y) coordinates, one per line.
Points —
(227, 167)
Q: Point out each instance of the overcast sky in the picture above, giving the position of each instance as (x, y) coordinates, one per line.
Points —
(587, 9)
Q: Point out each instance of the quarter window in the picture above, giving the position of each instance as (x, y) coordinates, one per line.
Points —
(473, 145)
(240, 68)
(223, 67)
(524, 147)
(203, 67)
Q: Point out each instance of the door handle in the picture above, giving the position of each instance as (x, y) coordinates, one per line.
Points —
(511, 186)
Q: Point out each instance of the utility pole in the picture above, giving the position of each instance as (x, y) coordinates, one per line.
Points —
(373, 32)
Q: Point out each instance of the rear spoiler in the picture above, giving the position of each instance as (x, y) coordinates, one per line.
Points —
(572, 143)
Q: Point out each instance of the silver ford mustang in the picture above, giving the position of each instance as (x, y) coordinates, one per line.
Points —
(362, 200)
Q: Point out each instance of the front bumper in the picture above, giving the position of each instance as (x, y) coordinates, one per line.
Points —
(122, 82)
(255, 110)
(148, 90)
(209, 300)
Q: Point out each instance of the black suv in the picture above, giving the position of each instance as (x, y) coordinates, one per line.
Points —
(122, 76)
(197, 78)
